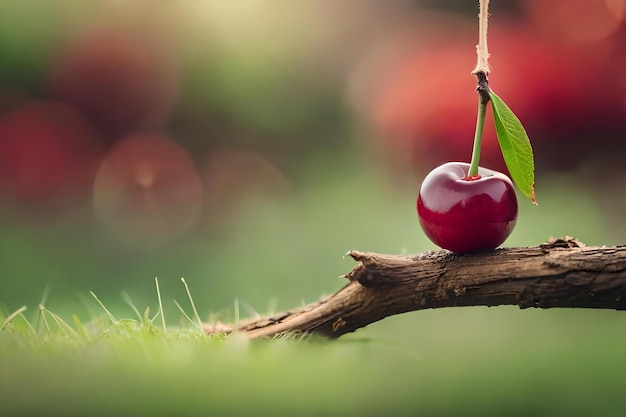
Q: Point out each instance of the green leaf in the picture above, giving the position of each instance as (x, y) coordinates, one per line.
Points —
(515, 146)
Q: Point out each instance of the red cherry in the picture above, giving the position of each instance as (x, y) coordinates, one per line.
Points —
(466, 214)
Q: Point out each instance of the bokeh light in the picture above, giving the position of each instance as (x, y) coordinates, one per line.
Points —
(577, 22)
(147, 191)
(49, 153)
(123, 79)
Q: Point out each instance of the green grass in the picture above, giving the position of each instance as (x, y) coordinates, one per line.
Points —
(462, 361)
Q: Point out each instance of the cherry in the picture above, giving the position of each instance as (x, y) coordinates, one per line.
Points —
(466, 214)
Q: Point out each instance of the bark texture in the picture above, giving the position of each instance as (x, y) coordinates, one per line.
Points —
(560, 273)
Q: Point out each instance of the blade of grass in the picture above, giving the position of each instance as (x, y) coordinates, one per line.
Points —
(130, 303)
(61, 324)
(185, 314)
(146, 315)
(158, 290)
(11, 316)
(250, 310)
(30, 326)
(42, 317)
(42, 302)
(80, 328)
(106, 310)
(193, 305)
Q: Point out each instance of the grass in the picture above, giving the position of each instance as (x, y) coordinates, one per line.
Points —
(469, 361)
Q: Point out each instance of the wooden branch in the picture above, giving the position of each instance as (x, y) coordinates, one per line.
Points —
(560, 273)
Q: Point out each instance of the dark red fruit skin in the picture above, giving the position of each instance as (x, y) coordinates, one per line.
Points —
(466, 215)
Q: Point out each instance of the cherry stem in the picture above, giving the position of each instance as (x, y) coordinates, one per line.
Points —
(483, 99)
(481, 71)
(478, 139)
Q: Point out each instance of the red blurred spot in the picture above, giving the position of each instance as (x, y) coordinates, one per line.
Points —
(48, 151)
(147, 191)
(422, 104)
(618, 9)
(580, 21)
(122, 79)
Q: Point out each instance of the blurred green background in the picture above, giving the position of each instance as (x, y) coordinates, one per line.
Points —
(247, 145)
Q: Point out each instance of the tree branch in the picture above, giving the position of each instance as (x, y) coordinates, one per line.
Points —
(559, 273)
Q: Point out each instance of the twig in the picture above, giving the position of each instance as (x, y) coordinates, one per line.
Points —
(481, 49)
(559, 273)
